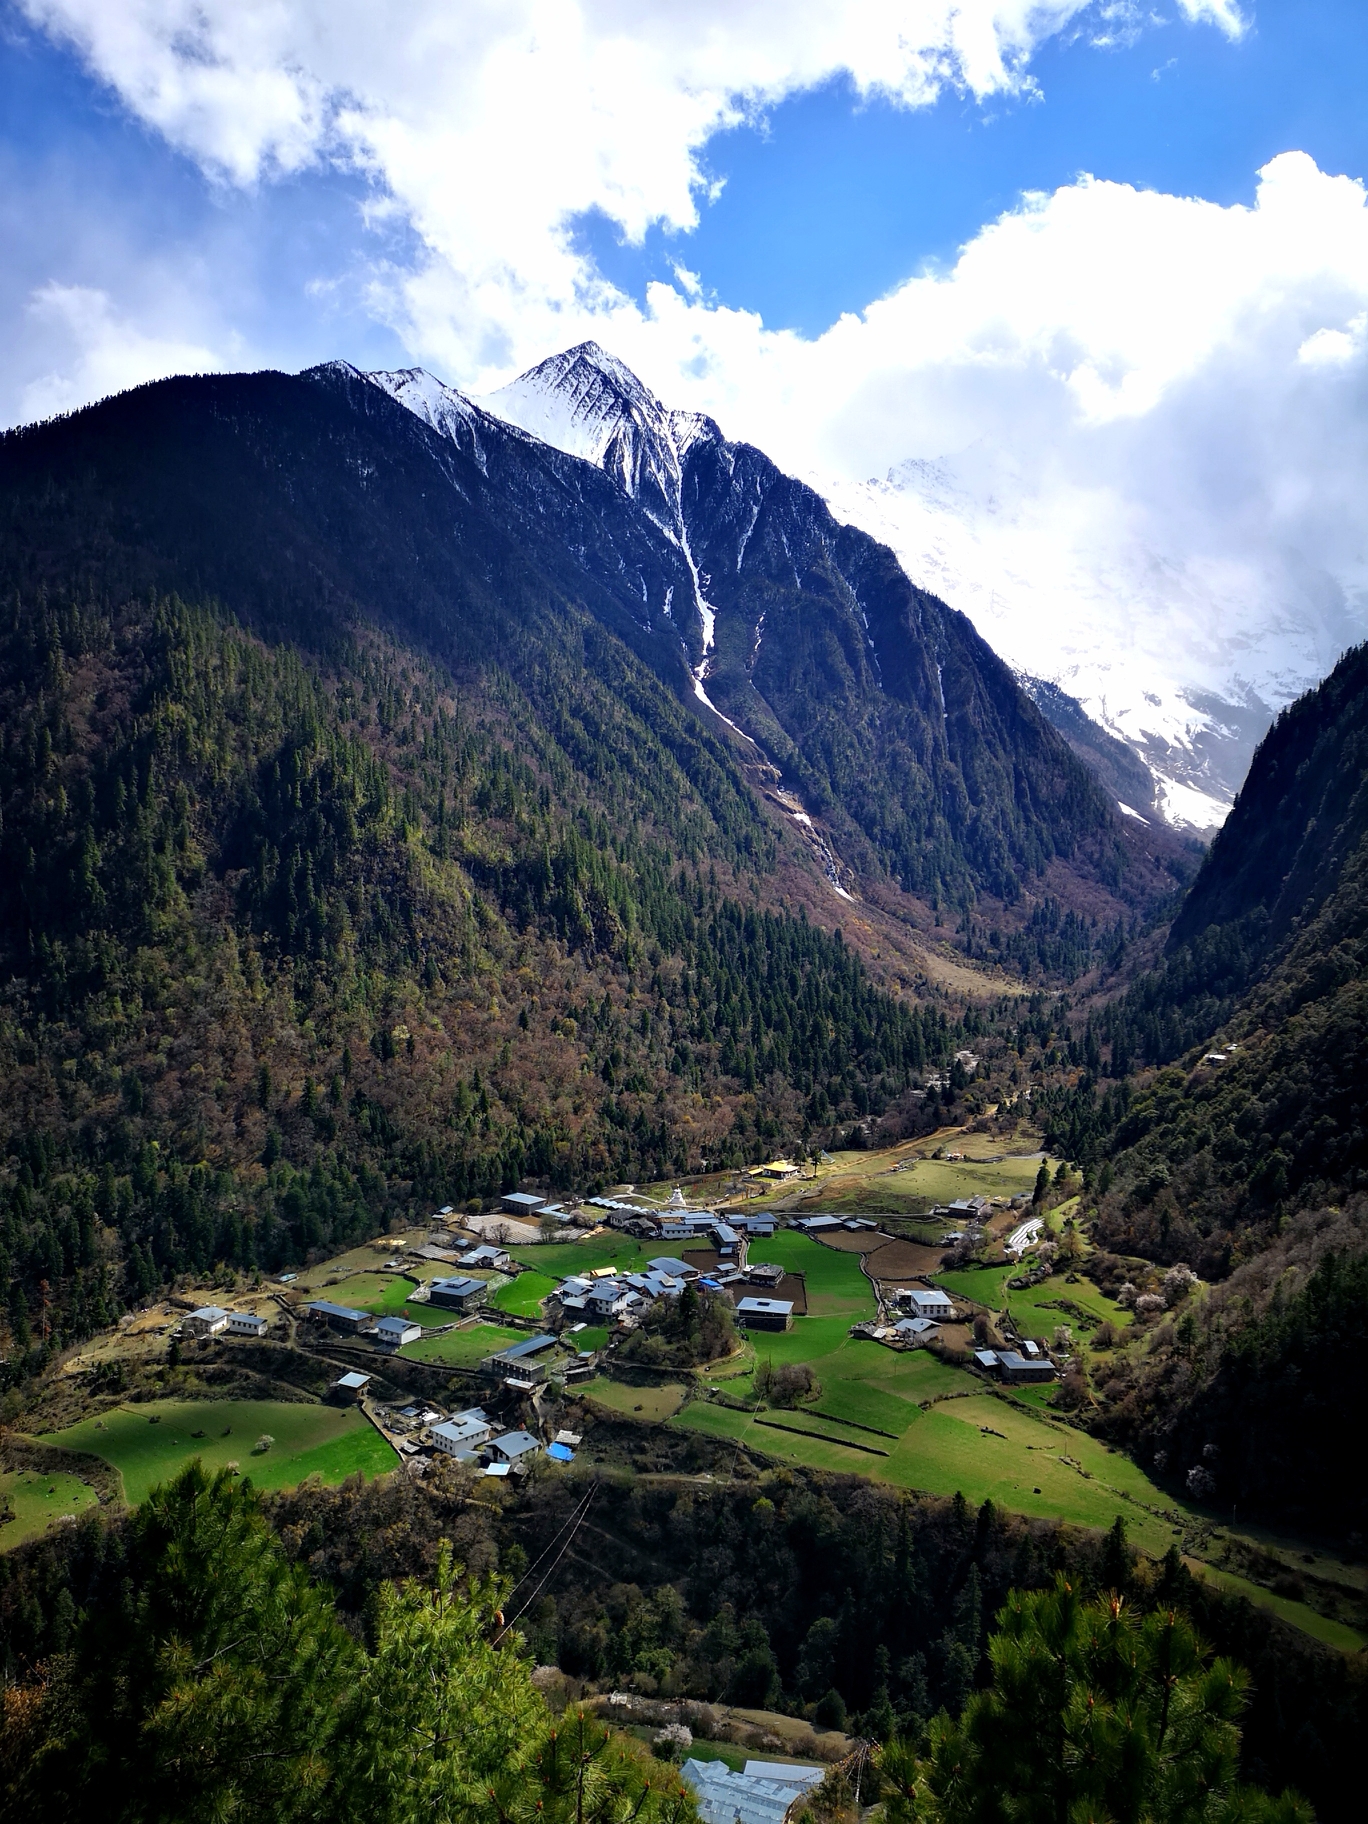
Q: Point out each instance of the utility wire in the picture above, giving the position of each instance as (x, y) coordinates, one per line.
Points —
(546, 1578)
(575, 1515)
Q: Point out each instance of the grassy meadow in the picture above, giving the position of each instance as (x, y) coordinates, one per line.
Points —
(464, 1348)
(148, 1443)
(36, 1500)
(652, 1404)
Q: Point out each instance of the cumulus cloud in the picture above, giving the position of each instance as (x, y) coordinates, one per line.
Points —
(97, 351)
(492, 125)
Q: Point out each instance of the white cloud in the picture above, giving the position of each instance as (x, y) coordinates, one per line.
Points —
(97, 351)
(492, 123)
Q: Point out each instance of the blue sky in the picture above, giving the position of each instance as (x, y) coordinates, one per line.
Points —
(827, 204)
(834, 202)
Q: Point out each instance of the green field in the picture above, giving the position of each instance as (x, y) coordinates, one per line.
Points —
(310, 1440)
(861, 1403)
(649, 1403)
(1033, 1315)
(607, 1250)
(37, 1500)
(940, 1181)
(984, 1285)
(386, 1295)
(463, 1348)
(1299, 1614)
(835, 1284)
(593, 1336)
(944, 1450)
(523, 1295)
(940, 1450)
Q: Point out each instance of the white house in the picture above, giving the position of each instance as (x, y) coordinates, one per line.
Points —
(246, 1323)
(464, 1432)
(209, 1320)
(394, 1332)
(934, 1304)
(609, 1298)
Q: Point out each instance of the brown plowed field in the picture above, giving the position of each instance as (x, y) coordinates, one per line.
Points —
(847, 1241)
(900, 1260)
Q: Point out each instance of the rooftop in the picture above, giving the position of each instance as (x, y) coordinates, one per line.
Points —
(531, 1345)
(516, 1443)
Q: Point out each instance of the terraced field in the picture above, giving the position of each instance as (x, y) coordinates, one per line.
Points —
(646, 1403)
(464, 1348)
(869, 1417)
(1036, 1312)
(523, 1295)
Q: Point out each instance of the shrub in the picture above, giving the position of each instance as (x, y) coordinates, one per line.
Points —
(263, 1444)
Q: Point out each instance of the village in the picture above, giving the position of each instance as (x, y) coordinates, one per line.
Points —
(450, 1281)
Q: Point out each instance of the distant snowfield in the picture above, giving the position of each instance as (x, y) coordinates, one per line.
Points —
(1185, 662)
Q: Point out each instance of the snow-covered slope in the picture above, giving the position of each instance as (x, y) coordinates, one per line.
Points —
(1186, 664)
(587, 403)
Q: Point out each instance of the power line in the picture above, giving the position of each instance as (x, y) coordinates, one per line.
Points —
(551, 1569)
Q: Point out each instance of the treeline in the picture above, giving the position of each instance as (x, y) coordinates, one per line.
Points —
(1055, 944)
(207, 1673)
(297, 948)
(744, 1592)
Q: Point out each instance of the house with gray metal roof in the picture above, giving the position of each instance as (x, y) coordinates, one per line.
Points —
(487, 1255)
(336, 1317)
(765, 1313)
(521, 1203)
(514, 1447)
(915, 1329)
(528, 1360)
(1014, 1367)
(463, 1433)
(460, 1293)
(725, 1797)
(677, 1269)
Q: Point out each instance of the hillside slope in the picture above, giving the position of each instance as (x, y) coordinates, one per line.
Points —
(1247, 1157)
(294, 949)
(1265, 983)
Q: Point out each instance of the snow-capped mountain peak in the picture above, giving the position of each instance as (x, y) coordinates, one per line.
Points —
(589, 404)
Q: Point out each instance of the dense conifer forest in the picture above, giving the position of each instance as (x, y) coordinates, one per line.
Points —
(879, 1610)
(295, 948)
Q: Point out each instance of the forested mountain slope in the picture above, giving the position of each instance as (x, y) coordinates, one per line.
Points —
(293, 948)
(1248, 1157)
(1265, 969)
(365, 843)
